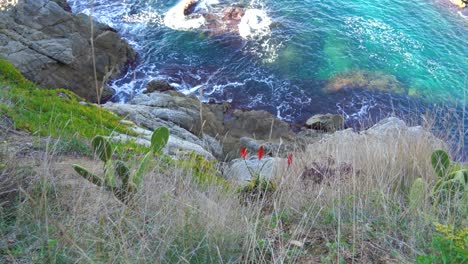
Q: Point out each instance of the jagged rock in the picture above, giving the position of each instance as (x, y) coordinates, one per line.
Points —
(327, 122)
(63, 4)
(157, 86)
(190, 120)
(144, 116)
(51, 47)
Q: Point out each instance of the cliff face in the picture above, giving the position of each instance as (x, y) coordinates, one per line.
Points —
(52, 47)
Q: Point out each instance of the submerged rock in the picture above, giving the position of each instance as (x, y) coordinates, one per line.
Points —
(365, 80)
(51, 47)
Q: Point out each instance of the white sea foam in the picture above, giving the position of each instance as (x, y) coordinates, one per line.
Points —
(144, 17)
(254, 23)
(175, 18)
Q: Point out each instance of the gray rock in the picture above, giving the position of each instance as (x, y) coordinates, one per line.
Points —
(210, 143)
(396, 127)
(51, 47)
(274, 149)
(188, 119)
(240, 171)
(157, 86)
(150, 119)
(326, 122)
(177, 145)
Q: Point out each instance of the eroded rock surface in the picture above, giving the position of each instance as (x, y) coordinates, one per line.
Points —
(209, 126)
(52, 47)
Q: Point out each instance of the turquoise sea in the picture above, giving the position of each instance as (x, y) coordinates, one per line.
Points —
(421, 46)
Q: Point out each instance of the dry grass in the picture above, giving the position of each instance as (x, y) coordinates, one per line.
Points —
(351, 206)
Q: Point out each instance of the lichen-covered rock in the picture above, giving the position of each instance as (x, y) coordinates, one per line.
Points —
(51, 47)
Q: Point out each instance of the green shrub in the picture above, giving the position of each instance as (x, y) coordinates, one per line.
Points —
(448, 246)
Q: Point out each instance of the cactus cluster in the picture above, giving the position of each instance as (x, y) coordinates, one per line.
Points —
(117, 176)
(453, 178)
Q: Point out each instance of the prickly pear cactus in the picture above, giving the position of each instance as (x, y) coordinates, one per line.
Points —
(117, 177)
(453, 178)
(159, 139)
(440, 162)
(102, 148)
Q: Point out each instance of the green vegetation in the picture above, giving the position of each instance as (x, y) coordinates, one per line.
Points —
(448, 246)
(379, 206)
(453, 178)
(58, 113)
(126, 188)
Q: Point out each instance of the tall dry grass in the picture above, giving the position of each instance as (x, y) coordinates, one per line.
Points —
(351, 205)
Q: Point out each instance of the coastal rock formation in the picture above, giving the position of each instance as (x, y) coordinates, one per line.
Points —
(204, 124)
(51, 47)
(215, 131)
(218, 19)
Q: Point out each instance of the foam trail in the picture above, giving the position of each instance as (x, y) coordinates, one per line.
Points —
(255, 23)
(176, 19)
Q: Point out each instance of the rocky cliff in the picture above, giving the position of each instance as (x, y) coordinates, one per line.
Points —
(53, 47)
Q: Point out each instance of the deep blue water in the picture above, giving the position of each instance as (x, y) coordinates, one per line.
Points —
(421, 44)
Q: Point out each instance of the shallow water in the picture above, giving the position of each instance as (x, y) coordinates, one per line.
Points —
(421, 43)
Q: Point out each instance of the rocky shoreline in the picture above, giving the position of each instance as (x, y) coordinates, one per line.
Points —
(217, 133)
(51, 47)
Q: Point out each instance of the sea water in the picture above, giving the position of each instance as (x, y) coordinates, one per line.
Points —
(286, 52)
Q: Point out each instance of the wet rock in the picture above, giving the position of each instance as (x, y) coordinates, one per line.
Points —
(157, 86)
(51, 47)
(326, 122)
(189, 7)
(64, 5)
(459, 3)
